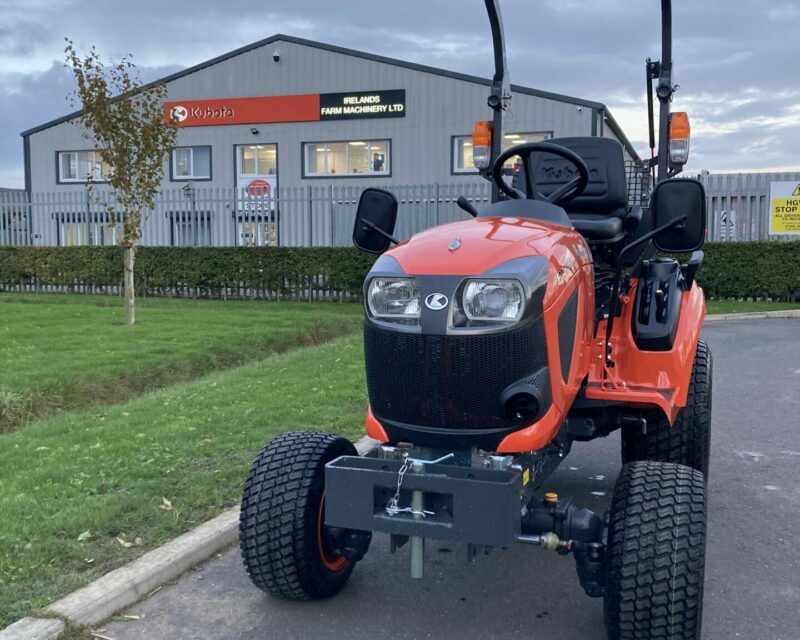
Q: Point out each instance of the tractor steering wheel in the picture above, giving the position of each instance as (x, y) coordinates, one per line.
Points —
(564, 193)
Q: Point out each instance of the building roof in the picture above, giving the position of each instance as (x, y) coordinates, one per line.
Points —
(375, 58)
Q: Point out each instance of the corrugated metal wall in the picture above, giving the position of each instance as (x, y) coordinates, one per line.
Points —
(738, 204)
(437, 108)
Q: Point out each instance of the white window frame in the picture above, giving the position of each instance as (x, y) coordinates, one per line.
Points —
(507, 142)
(387, 142)
(258, 173)
(95, 160)
(174, 163)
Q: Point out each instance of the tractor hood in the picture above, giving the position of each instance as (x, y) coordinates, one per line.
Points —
(470, 247)
(479, 246)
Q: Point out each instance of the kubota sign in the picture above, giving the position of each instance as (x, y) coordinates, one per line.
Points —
(297, 108)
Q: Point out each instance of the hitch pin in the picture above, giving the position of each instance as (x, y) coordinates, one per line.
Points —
(437, 461)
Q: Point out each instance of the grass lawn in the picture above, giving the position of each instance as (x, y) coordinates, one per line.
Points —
(734, 306)
(84, 492)
(71, 352)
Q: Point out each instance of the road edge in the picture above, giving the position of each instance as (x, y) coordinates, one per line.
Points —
(754, 315)
(122, 587)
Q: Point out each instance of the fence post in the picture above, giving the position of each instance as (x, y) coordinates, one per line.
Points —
(310, 217)
(436, 206)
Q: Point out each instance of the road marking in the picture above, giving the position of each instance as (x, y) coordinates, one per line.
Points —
(753, 455)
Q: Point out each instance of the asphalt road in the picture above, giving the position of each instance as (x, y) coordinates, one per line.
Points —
(752, 585)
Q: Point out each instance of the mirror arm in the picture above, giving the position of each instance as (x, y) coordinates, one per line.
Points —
(467, 206)
(373, 227)
(614, 303)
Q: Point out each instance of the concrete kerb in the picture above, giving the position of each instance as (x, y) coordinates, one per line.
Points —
(123, 587)
(34, 629)
(755, 315)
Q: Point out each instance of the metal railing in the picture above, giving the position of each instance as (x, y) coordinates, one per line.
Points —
(323, 216)
(293, 217)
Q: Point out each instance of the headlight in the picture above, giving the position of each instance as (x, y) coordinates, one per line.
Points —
(490, 302)
(394, 299)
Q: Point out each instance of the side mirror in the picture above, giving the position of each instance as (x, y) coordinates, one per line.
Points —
(675, 198)
(375, 220)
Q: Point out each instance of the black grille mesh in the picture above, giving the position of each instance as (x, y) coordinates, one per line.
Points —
(448, 381)
(566, 333)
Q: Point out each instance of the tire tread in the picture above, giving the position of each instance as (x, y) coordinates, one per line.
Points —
(278, 519)
(656, 553)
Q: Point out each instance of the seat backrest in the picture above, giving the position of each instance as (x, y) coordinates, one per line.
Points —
(607, 191)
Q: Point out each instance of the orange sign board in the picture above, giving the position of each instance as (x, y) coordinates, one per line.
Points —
(200, 113)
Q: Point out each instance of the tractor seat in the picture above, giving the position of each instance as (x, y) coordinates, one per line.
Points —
(601, 213)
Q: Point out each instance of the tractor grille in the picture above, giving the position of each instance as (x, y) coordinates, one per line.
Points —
(566, 333)
(448, 381)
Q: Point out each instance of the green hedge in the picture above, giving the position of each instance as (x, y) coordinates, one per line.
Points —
(273, 272)
(730, 270)
(751, 269)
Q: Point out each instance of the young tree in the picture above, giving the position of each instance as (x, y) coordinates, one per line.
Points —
(124, 119)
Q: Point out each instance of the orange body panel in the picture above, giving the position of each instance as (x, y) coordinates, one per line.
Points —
(374, 428)
(658, 378)
(542, 431)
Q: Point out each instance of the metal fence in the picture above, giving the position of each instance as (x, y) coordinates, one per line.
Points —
(738, 205)
(323, 216)
(293, 217)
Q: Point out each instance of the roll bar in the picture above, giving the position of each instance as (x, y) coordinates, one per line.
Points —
(661, 70)
(500, 98)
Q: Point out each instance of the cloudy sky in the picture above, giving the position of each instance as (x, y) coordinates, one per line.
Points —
(736, 60)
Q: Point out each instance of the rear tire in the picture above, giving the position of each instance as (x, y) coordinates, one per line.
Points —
(688, 441)
(281, 533)
(655, 556)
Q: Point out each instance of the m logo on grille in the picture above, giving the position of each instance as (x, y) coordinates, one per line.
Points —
(436, 301)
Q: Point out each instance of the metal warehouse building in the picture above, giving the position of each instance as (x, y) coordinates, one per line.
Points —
(272, 129)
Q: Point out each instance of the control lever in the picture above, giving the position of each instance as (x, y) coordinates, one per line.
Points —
(690, 269)
(661, 302)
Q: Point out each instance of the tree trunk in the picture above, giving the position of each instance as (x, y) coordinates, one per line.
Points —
(130, 301)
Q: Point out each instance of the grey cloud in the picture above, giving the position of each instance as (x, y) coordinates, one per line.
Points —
(726, 51)
(21, 38)
(27, 101)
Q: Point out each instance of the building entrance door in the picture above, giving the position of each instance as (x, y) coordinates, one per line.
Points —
(256, 193)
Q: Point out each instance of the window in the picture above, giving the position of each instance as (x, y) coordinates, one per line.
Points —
(258, 234)
(462, 148)
(349, 158)
(190, 229)
(257, 160)
(81, 166)
(75, 234)
(191, 163)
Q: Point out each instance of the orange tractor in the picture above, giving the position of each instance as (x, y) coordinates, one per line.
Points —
(491, 346)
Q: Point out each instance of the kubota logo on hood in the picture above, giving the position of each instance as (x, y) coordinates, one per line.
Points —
(436, 301)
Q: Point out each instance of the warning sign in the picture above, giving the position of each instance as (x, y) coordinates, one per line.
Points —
(784, 208)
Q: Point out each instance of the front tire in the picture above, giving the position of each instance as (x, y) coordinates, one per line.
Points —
(686, 442)
(655, 555)
(281, 530)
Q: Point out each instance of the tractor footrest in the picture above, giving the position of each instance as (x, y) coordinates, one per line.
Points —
(461, 504)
